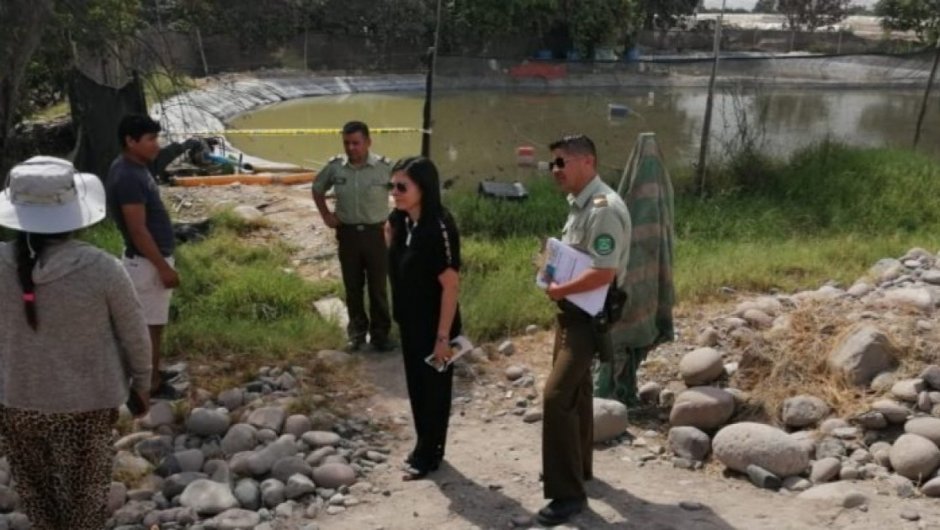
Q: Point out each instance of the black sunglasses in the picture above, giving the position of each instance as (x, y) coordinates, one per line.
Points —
(558, 163)
(400, 187)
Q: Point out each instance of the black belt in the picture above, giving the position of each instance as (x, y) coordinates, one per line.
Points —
(362, 227)
(130, 254)
(570, 314)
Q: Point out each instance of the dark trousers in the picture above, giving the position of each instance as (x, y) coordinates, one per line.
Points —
(363, 259)
(429, 392)
(568, 421)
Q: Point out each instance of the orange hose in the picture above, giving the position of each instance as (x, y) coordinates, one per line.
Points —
(265, 179)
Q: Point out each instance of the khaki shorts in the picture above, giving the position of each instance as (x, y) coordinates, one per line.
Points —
(153, 296)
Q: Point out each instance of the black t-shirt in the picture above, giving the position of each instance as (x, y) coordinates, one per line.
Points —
(415, 263)
(131, 183)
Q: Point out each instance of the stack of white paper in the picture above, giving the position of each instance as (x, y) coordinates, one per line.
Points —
(564, 263)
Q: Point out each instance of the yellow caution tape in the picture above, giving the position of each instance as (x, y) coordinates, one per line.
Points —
(292, 132)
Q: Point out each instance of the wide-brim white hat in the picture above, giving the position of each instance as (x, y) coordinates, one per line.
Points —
(47, 195)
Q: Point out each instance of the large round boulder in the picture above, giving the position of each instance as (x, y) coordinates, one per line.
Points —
(924, 426)
(689, 443)
(862, 353)
(740, 445)
(803, 411)
(914, 456)
(706, 408)
(700, 367)
(334, 475)
(610, 419)
(206, 497)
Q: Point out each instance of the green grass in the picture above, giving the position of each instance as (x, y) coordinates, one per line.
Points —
(827, 213)
(104, 235)
(498, 295)
(541, 214)
(238, 297)
(241, 298)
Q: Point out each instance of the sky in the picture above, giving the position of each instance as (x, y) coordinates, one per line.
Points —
(749, 4)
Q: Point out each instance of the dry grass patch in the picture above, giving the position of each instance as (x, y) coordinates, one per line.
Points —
(774, 369)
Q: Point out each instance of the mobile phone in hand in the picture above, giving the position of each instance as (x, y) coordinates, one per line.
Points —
(459, 346)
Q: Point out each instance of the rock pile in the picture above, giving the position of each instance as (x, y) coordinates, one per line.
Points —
(814, 437)
(238, 460)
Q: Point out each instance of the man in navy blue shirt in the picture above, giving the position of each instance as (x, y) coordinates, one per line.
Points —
(135, 204)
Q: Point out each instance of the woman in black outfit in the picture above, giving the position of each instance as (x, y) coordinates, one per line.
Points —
(424, 265)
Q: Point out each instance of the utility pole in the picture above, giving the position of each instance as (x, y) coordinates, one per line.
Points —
(709, 103)
(429, 88)
(923, 104)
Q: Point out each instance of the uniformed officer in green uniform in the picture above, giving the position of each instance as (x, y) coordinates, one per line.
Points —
(360, 180)
(598, 224)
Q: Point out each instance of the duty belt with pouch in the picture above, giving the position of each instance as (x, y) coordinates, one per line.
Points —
(600, 324)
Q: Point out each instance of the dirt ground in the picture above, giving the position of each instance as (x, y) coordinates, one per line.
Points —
(491, 475)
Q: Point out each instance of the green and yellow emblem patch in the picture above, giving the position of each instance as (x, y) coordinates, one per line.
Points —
(604, 244)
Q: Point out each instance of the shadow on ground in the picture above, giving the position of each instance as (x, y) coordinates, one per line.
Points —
(637, 513)
(487, 507)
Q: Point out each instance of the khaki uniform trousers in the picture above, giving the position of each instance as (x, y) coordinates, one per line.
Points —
(568, 419)
(363, 259)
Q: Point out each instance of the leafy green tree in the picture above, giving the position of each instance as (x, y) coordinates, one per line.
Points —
(812, 14)
(593, 23)
(39, 39)
(266, 24)
(472, 24)
(920, 16)
(21, 28)
(765, 6)
(102, 27)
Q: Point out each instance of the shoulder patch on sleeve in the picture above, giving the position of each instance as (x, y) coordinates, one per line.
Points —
(600, 200)
(604, 244)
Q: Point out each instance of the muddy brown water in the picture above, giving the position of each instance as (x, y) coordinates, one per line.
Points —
(477, 133)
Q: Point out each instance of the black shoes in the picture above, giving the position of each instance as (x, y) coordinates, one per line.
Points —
(169, 375)
(418, 468)
(381, 345)
(166, 391)
(385, 345)
(559, 511)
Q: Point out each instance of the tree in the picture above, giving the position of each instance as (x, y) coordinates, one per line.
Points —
(266, 24)
(665, 14)
(812, 14)
(920, 16)
(472, 23)
(765, 6)
(76, 28)
(41, 39)
(22, 24)
(593, 23)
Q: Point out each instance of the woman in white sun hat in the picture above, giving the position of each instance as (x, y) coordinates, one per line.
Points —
(73, 346)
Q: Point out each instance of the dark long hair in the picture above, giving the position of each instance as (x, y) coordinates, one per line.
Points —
(29, 248)
(424, 174)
